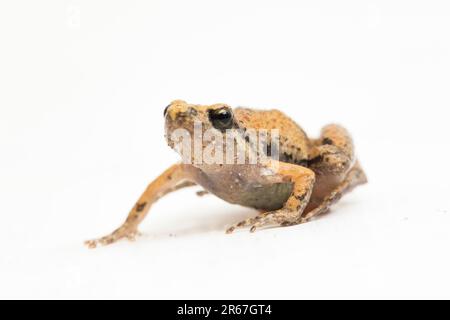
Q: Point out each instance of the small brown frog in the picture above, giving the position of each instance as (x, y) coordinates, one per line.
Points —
(302, 182)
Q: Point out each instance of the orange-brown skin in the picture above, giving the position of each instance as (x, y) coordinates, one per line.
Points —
(309, 176)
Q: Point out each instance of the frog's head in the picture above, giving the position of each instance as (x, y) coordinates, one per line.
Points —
(200, 122)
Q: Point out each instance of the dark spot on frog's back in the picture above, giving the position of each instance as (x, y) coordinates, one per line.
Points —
(315, 160)
(140, 206)
(301, 197)
(286, 157)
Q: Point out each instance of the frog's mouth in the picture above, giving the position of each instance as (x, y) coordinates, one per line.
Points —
(179, 138)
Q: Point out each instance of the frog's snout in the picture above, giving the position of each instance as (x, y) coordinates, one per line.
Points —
(177, 112)
(165, 110)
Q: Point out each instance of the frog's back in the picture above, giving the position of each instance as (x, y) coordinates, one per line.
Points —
(294, 143)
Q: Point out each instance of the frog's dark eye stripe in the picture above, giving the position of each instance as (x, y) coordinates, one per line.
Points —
(221, 119)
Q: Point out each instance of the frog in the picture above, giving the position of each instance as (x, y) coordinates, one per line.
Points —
(305, 178)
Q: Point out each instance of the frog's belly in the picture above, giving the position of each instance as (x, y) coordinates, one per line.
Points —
(265, 197)
(245, 186)
(269, 197)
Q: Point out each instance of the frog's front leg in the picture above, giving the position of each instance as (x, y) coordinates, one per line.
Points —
(176, 177)
(303, 182)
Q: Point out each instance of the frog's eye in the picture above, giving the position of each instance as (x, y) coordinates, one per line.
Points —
(221, 119)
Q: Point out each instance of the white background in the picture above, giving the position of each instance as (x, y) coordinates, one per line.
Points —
(83, 85)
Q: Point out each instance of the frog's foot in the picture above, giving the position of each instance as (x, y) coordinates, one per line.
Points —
(202, 193)
(120, 233)
(354, 178)
(282, 217)
(245, 223)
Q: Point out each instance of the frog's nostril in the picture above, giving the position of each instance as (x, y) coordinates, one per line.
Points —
(165, 110)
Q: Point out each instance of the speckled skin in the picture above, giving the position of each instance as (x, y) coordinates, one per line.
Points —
(308, 178)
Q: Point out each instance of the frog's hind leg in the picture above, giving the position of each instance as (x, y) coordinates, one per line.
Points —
(174, 178)
(355, 177)
(333, 154)
(303, 182)
(333, 161)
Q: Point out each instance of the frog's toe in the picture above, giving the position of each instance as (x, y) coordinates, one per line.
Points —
(230, 230)
(280, 217)
(233, 228)
(251, 222)
(132, 236)
(91, 244)
(202, 193)
(121, 233)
